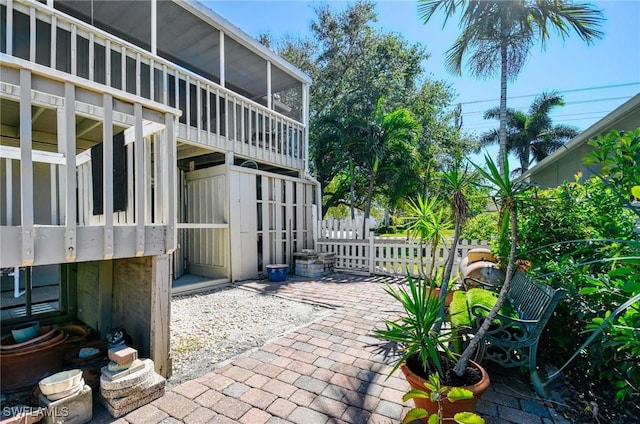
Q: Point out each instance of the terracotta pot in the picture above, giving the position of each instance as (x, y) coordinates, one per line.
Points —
(447, 300)
(8, 344)
(449, 409)
(57, 336)
(484, 271)
(24, 369)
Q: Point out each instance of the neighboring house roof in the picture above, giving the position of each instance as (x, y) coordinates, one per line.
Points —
(625, 117)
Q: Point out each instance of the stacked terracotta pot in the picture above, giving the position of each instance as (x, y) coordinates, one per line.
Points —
(23, 365)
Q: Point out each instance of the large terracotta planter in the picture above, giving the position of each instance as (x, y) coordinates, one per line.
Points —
(447, 300)
(25, 368)
(449, 409)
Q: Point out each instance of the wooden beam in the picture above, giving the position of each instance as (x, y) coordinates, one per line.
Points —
(85, 126)
(107, 174)
(37, 114)
(160, 341)
(39, 156)
(26, 170)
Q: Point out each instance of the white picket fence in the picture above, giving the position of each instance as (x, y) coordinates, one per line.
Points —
(382, 255)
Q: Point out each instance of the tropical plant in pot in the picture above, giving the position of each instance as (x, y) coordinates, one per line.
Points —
(423, 349)
(419, 333)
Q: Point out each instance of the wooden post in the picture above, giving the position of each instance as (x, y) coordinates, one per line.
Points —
(138, 147)
(170, 182)
(107, 174)
(68, 140)
(26, 169)
(159, 343)
(222, 76)
(372, 253)
(105, 296)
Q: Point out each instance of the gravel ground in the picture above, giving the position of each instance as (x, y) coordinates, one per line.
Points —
(211, 327)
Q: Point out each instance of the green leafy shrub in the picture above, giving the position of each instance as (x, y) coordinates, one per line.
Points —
(581, 236)
(481, 227)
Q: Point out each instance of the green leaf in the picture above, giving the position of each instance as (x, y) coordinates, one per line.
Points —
(415, 414)
(433, 419)
(458, 393)
(588, 290)
(468, 418)
(635, 191)
(631, 287)
(415, 394)
(621, 272)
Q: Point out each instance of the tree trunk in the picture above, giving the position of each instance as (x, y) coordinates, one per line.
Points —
(524, 164)
(471, 348)
(367, 207)
(449, 265)
(502, 131)
(352, 189)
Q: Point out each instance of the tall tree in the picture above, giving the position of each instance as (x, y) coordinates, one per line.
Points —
(384, 140)
(497, 36)
(531, 136)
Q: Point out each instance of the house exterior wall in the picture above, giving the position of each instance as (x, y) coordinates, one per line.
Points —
(564, 163)
(67, 86)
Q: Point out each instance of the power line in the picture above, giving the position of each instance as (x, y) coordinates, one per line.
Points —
(606, 99)
(574, 90)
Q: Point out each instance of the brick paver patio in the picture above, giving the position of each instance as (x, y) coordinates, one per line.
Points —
(329, 371)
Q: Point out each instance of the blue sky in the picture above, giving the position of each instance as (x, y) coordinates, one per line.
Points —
(569, 66)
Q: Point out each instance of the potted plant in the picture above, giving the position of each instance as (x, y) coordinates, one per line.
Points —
(419, 333)
(437, 394)
(424, 349)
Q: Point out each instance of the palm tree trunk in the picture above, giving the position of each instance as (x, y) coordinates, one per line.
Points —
(502, 131)
(449, 265)
(352, 189)
(367, 207)
(471, 348)
(524, 164)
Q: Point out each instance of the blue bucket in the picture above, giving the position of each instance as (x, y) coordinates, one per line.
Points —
(277, 272)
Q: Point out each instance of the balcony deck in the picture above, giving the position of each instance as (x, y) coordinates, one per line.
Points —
(213, 117)
(72, 85)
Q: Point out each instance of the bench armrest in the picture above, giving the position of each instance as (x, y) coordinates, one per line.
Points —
(503, 327)
(469, 282)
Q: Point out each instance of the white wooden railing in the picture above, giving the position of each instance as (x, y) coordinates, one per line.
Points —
(50, 223)
(383, 255)
(215, 116)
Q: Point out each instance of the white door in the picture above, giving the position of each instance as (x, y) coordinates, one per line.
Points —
(244, 227)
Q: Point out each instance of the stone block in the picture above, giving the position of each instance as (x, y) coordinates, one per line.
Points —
(146, 393)
(122, 355)
(136, 365)
(152, 380)
(129, 380)
(75, 409)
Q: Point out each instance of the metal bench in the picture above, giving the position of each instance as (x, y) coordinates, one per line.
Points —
(513, 342)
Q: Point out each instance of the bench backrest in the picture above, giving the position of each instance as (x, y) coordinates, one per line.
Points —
(533, 300)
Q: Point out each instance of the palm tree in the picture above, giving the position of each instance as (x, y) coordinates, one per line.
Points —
(456, 181)
(376, 142)
(531, 136)
(498, 36)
